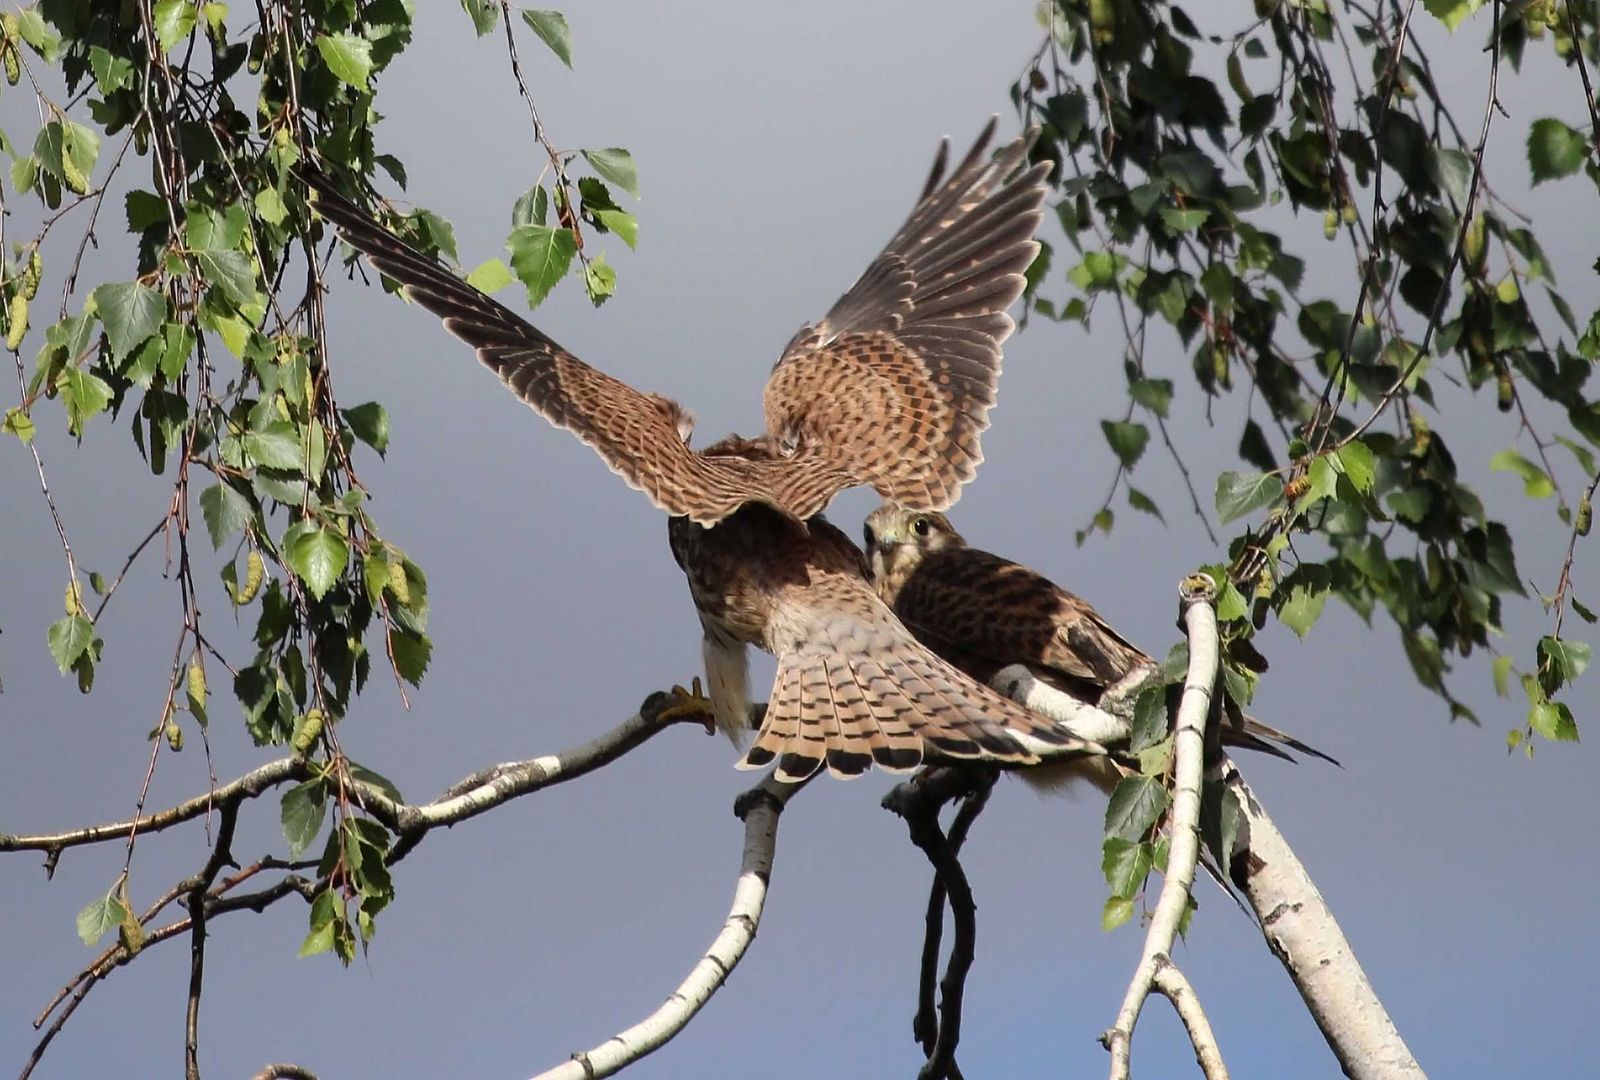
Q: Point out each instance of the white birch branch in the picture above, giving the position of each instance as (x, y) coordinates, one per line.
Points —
(1200, 618)
(1305, 937)
(760, 807)
(1173, 986)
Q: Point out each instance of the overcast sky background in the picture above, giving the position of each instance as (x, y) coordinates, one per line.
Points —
(777, 149)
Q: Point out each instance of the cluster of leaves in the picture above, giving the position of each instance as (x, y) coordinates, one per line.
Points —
(212, 350)
(1136, 814)
(1180, 199)
(1176, 200)
(542, 252)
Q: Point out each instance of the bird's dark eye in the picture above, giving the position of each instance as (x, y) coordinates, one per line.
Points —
(866, 534)
(920, 526)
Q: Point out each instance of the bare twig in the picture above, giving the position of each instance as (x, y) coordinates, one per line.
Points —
(1200, 616)
(1490, 105)
(760, 808)
(1558, 601)
(1583, 73)
(1306, 939)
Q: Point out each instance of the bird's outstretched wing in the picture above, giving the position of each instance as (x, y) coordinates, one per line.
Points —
(897, 380)
(855, 688)
(640, 436)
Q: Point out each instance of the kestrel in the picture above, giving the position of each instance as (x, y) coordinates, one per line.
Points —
(988, 615)
(890, 389)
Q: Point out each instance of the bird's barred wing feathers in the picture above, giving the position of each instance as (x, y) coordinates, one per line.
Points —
(640, 436)
(899, 377)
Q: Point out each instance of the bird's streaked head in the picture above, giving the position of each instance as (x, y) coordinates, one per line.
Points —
(898, 538)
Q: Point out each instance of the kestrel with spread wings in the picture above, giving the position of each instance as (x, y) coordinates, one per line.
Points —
(891, 389)
(987, 615)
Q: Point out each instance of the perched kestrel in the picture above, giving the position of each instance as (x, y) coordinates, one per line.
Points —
(890, 389)
(988, 615)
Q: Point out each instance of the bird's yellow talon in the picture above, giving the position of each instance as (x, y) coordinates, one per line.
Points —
(692, 704)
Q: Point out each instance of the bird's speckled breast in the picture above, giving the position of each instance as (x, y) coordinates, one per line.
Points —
(738, 568)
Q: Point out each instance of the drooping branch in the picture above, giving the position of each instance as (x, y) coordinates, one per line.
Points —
(759, 808)
(1307, 940)
(1197, 596)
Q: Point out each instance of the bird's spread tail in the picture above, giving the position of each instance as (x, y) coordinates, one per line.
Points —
(888, 702)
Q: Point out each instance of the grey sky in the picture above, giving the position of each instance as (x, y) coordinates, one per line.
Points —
(777, 150)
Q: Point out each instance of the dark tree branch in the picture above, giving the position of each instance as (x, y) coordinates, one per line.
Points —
(918, 802)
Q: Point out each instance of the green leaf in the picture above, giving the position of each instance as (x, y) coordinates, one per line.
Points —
(349, 57)
(18, 423)
(624, 224)
(1502, 675)
(411, 654)
(1452, 12)
(531, 208)
(1143, 503)
(616, 165)
(438, 230)
(1239, 493)
(131, 312)
(1149, 718)
(111, 72)
(599, 279)
(1554, 150)
(1127, 438)
(1554, 721)
(1181, 221)
(68, 639)
(491, 276)
(45, 41)
(276, 446)
(325, 921)
(1452, 171)
(541, 257)
(1302, 608)
(174, 21)
(226, 511)
(99, 918)
(144, 209)
(233, 272)
(551, 26)
(1125, 863)
(1355, 460)
(317, 556)
(84, 394)
(1536, 483)
(1566, 659)
(1136, 804)
(1118, 910)
(369, 423)
(1153, 394)
(485, 15)
(68, 151)
(270, 207)
(302, 811)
